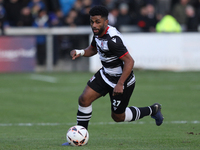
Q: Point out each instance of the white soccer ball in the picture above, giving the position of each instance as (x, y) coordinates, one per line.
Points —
(77, 136)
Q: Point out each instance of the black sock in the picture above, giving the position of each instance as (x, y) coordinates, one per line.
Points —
(83, 119)
(145, 111)
(140, 112)
(84, 115)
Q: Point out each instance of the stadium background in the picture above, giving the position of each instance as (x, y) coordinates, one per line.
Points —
(40, 84)
(139, 17)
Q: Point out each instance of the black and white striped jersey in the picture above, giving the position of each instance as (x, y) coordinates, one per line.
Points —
(111, 48)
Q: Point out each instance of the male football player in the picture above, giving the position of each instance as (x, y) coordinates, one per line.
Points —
(116, 77)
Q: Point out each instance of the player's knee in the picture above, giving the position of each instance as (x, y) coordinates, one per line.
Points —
(83, 101)
(117, 117)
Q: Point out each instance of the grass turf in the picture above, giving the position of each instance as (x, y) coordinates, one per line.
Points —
(36, 113)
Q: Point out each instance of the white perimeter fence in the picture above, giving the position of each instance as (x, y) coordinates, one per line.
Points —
(159, 51)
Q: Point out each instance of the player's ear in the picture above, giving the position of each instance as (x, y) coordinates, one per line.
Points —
(106, 21)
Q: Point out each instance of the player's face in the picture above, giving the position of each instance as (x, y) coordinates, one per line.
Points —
(98, 25)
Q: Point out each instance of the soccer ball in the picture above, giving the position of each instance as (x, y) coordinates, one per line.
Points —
(77, 136)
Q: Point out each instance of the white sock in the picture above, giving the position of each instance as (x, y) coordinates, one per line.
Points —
(128, 115)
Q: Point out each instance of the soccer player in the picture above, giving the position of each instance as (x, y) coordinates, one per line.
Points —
(116, 77)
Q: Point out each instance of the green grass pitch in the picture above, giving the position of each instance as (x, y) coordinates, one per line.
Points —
(36, 111)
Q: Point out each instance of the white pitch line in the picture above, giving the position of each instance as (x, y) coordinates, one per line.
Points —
(43, 78)
(97, 123)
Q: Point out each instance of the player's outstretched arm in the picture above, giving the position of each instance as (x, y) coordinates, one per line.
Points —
(89, 51)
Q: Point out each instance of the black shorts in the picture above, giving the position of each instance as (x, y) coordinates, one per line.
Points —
(118, 102)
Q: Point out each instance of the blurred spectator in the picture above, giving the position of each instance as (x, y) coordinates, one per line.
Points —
(179, 13)
(151, 18)
(56, 18)
(70, 19)
(112, 16)
(123, 18)
(192, 19)
(96, 2)
(173, 3)
(142, 19)
(26, 18)
(66, 6)
(24, 3)
(109, 3)
(168, 24)
(52, 5)
(142, 13)
(13, 11)
(86, 3)
(147, 20)
(162, 8)
(35, 6)
(140, 3)
(41, 21)
(2, 15)
(134, 9)
(85, 17)
(78, 6)
(193, 3)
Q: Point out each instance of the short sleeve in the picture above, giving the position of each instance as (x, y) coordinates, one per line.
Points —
(116, 46)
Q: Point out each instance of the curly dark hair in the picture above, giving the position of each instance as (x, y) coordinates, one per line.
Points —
(99, 10)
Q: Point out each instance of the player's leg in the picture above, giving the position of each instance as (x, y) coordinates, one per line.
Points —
(120, 111)
(96, 87)
(85, 107)
(120, 102)
(84, 113)
(135, 113)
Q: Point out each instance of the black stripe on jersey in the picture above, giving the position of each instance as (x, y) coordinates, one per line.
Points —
(105, 53)
(117, 47)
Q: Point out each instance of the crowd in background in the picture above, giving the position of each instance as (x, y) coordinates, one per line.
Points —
(140, 15)
(144, 14)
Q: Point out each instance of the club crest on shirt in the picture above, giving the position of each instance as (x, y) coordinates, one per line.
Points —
(103, 45)
(93, 77)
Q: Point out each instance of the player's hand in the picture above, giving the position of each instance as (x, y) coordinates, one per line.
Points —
(118, 89)
(73, 54)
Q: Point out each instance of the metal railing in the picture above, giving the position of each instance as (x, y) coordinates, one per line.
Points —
(49, 33)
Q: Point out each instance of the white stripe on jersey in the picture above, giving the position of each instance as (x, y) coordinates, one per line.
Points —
(107, 59)
(112, 84)
(113, 71)
(106, 80)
